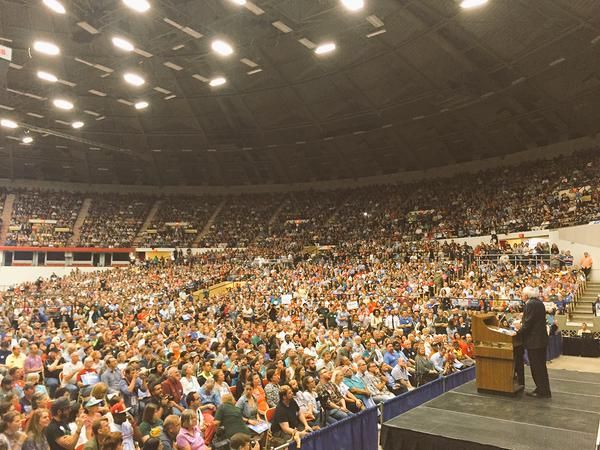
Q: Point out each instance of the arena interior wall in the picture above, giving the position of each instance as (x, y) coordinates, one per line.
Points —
(471, 167)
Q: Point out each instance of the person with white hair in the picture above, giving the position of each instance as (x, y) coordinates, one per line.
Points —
(535, 339)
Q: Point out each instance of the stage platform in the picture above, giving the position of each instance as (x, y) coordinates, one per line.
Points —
(466, 419)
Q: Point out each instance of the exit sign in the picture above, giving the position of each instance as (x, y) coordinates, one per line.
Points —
(5, 53)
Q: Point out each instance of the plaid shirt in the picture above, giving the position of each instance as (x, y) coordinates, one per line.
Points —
(331, 390)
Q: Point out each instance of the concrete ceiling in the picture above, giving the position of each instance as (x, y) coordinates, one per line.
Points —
(441, 85)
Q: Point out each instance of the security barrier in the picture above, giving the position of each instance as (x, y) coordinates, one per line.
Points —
(360, 431)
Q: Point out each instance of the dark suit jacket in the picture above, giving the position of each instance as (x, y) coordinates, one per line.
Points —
(533, 328)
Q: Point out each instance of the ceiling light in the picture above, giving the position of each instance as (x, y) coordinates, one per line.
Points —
(27, 140)
(77, 124)
(141, 105)
(353, 5)
(47, 76)
(467, 4)
(63, 104)
(55, 6)
(123, 44)
(137, 5)
(325, 48)
(46, 47)
(134, 79)
(222, 47)
(239, 2)
(219, 81)
(7, 123)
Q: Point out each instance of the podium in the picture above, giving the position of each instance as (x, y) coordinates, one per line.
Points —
(498, 355)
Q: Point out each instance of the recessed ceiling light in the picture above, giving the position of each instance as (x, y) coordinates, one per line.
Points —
(328, 47)
(123, 44)
(27, 140)
(137, 5)
(222, 47)
(141, 105)
(134, 79)
(55, 6)
(7, 123)
(239, 2)
(47, 76)
(219, 81)
(77, 124)
(353, 5)
(467, 4)
(63, 104)
(46, 47)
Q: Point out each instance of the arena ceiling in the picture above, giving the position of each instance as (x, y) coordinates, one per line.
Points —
(412, 84)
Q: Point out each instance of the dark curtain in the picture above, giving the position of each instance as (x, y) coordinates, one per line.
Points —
(358, 432)
(412, 399)
(400, 439)
(458, 378)
(555, 345)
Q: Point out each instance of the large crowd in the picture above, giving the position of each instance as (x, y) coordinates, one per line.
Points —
(149, 356)
(114, 220)
(43, 219)
(243, 220)
(543, 194)
(179, 220)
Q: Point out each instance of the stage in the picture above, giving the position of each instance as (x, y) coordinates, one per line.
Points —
(465, 419)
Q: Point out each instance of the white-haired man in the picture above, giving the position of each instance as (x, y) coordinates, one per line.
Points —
(535, 340)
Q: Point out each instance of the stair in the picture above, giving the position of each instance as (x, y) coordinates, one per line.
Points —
(583, 310)
(6, 216)
(149, 218)
(276, 213)
(83, 213)
(208, 224)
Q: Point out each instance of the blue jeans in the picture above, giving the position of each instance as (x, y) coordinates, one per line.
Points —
(334, 414)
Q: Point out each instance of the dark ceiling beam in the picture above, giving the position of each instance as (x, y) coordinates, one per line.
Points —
(563, 10)
(69, 137)
(342, 161)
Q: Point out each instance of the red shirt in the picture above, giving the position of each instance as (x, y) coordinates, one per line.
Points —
(173, 388)
(467, 349)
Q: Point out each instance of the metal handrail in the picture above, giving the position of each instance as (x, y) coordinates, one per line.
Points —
(582, 285)
(515, 258)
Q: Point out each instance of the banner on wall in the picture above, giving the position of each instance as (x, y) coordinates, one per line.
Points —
(191, 231)
(50, 221)
(158, 254)
(177, 224)
(62, 230)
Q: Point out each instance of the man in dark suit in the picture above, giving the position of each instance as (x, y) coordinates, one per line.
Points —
(535, 340)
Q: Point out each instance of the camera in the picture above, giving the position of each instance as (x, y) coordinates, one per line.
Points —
(323, 399)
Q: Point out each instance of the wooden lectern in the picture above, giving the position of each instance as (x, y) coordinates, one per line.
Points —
(498, 356)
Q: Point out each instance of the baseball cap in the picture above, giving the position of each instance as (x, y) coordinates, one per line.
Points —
(119, 408)
(60, 404)
(93, 402)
